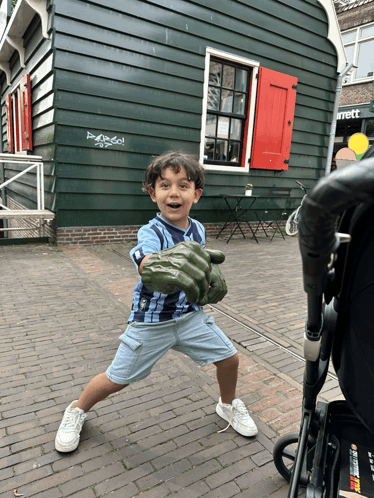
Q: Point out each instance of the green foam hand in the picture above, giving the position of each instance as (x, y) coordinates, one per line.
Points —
(217, 289)
(185, 266)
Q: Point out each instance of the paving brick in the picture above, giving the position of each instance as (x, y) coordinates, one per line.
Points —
(163, 437)
(166, 474)
(193, 491)
(146, 456)
(262, 457)
(229, 473)
(158, 436)
(40, 480)
(193, 475)
(230, 457)
(91, 479)
(259, 474)
(225, 491)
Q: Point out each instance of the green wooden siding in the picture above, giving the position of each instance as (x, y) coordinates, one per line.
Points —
(134, 70)
(39, 63)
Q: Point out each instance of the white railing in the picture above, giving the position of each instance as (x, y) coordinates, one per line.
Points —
(33, 162)
(40, 213)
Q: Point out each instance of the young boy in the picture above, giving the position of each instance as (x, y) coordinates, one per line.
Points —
(177, 277)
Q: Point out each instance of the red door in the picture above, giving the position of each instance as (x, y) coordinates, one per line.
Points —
(275, 107)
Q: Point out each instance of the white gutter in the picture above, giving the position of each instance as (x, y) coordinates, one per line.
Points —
(334, 33)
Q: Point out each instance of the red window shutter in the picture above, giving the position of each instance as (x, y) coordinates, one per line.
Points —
(9, 122)
(275, 108)
(26, 127)
(16, 122)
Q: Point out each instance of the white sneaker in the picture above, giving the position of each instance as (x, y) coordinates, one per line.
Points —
(237, 416)
(68, 434)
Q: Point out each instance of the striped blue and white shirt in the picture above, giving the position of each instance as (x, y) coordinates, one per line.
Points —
(150, 306)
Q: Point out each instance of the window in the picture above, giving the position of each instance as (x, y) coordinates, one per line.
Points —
(247, 115)
(226, 112)
(344, 130)
(370, 128)
(18, 113)
(359, 47)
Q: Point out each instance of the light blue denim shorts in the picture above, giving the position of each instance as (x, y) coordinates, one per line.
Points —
(143, 344)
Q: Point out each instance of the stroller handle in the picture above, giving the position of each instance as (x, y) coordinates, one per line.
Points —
(321, 208)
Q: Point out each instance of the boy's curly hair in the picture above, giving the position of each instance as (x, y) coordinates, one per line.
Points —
(174, 160)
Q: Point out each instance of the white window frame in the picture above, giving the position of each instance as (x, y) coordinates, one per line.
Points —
(212, 52)
(351, 79)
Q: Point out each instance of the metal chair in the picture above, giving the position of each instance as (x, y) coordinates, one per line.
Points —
(273, 215)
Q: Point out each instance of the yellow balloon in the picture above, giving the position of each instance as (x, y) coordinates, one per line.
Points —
(359, 143)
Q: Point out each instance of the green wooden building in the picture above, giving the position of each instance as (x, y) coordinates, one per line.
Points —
(97, 88)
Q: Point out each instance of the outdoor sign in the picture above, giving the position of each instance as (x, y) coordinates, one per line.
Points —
(353, 114)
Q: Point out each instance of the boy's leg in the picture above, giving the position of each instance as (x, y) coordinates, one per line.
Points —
(99, 388)
(229, 407)
(204, 342)
(227, 377)
(68, 434)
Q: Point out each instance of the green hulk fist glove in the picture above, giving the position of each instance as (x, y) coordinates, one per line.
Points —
(218, 288)
(185, 266)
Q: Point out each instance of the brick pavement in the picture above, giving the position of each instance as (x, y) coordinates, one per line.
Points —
(62, 312)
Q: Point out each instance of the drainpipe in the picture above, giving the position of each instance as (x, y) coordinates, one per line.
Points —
(3, 193)
(338, 91)
(3, 198)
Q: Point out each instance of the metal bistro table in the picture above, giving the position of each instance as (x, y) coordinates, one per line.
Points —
(238, 214)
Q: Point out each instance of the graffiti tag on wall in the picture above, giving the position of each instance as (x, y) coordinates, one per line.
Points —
(105, 141)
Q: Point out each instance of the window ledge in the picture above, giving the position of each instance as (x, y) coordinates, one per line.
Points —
(225, 169)
(12, 38)
(359, 82)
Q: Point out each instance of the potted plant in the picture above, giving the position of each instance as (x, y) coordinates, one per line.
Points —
(248, 189)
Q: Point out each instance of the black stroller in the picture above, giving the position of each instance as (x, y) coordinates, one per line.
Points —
(333, 454)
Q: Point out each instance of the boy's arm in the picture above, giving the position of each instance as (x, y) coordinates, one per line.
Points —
(140, 269)
(148, 243)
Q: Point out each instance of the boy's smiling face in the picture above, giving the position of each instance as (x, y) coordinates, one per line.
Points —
(174, 194)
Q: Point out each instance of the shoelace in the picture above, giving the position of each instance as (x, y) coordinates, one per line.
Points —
(71, 421)
(241, 411)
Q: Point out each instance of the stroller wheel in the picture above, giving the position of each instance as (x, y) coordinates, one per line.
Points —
(284, 453)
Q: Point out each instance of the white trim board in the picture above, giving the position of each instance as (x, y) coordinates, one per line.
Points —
(334, 33)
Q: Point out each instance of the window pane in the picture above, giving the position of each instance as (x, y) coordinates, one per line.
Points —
(347, 37)
(213, 98)
(234, 153)
(221, 151)
(236, 129)
(241, 79)
(223, 127)
(350, 51)
(209, 148)
(215, 73)
(370, 128)
(367, 32)
(365, 59)
(226, 101)
(211, 122)
(228, 76)
(239, 103)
